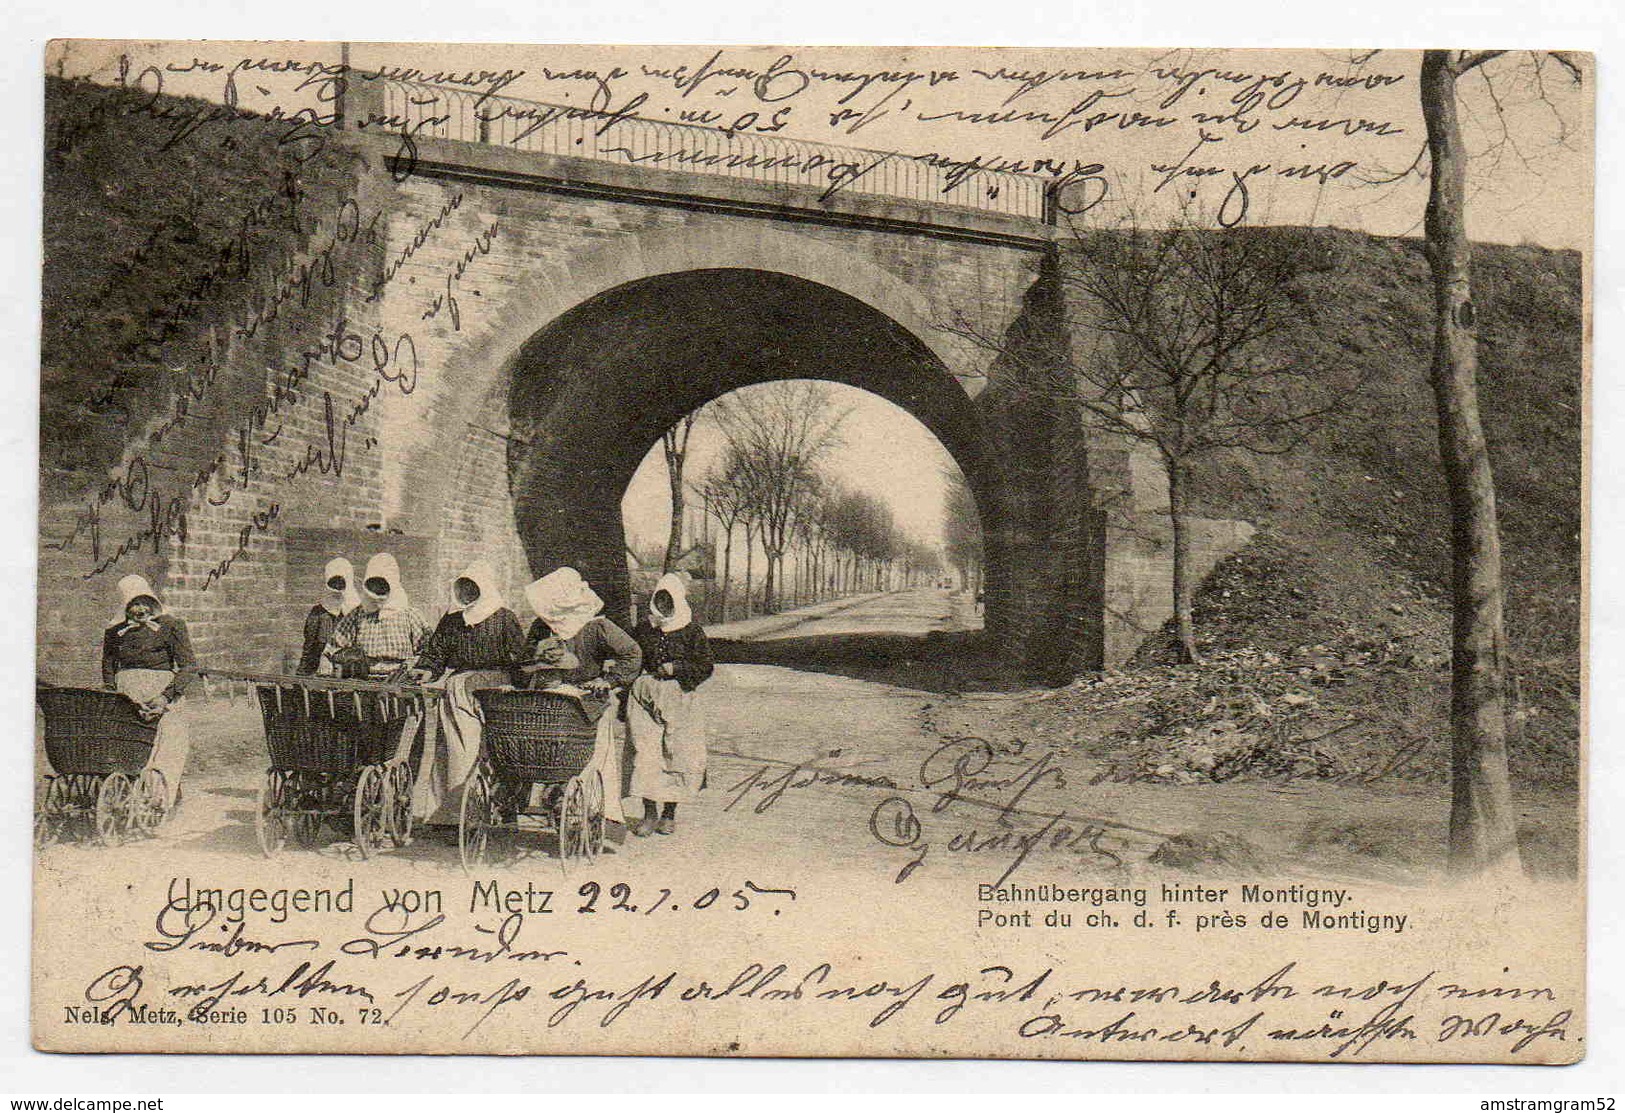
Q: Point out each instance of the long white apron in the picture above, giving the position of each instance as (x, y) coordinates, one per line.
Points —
(173, 741)
(668, 741)
(447, 762)
(608, 758)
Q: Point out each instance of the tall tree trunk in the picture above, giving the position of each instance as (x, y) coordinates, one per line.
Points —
(727, 566)
(769, 582)
(1184, 588)
(1483, 822)
(675, 442)
(674, 539)
(750, 562)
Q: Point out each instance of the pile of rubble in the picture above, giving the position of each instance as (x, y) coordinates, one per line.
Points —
(1241, 714)
(1297, 680)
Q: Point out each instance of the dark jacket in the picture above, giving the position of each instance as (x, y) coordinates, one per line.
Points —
(319, 626)
(454, 646)
(167, 648)
(687, 650)
(598, 641)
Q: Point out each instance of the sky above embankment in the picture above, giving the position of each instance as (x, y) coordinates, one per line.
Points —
(1263, 136)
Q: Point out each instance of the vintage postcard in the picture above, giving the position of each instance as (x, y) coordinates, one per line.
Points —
(839, 551)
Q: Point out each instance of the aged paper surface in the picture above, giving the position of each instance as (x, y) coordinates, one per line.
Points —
(938, 318)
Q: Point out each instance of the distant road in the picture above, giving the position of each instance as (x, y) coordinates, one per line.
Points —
(914, 612)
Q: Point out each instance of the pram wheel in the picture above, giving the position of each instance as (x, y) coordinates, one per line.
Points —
(572, 821)
(398, 785)
(475, 818)
(114, 805)
(72, 802)
(371, 819)
(270, 823)
(151, 803)
(594, 842)
(50, 806)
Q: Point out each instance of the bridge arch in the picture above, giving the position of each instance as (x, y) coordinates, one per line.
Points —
(472, 390)
(555, 285)
(579, 367)
(592, 391)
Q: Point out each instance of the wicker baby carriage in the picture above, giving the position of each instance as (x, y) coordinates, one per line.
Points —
(102, 783)
(537, 761)
(339, 754)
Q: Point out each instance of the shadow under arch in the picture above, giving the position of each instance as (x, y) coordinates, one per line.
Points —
(593, 390)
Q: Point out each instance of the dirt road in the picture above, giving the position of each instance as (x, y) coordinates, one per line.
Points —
(856, 766)
(915, 612)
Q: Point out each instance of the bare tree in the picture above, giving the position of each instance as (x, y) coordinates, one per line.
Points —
(1483, 818)
(919, 562)
(811, 528)
(962, 530)
(805, 529)
(831, 563)
(749, 522)
(1185, 310)
(675, 443)
(728, 494)
(780, 431)
(863, 528)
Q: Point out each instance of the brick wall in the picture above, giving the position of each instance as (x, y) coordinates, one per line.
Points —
(529, 257)
(237, 254)
(440, 316)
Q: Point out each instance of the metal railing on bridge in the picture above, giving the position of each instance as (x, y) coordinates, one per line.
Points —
(615, 136)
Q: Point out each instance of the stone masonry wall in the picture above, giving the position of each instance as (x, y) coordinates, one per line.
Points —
(347, 380)
(514, 259)
(196, 289)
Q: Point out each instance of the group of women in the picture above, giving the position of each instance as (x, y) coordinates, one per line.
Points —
(371, 630)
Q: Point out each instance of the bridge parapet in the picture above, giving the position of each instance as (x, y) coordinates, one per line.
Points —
(807, 175)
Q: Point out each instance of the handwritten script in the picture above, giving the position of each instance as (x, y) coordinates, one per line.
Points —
(414, 973)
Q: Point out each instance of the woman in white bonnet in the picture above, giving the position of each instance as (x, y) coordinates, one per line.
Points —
(147, 655)
(663, 713)
(569, 618)
(339, 598)
(385, 627)
(476, 645)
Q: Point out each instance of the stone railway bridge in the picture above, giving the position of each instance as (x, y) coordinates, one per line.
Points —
(562, 312)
